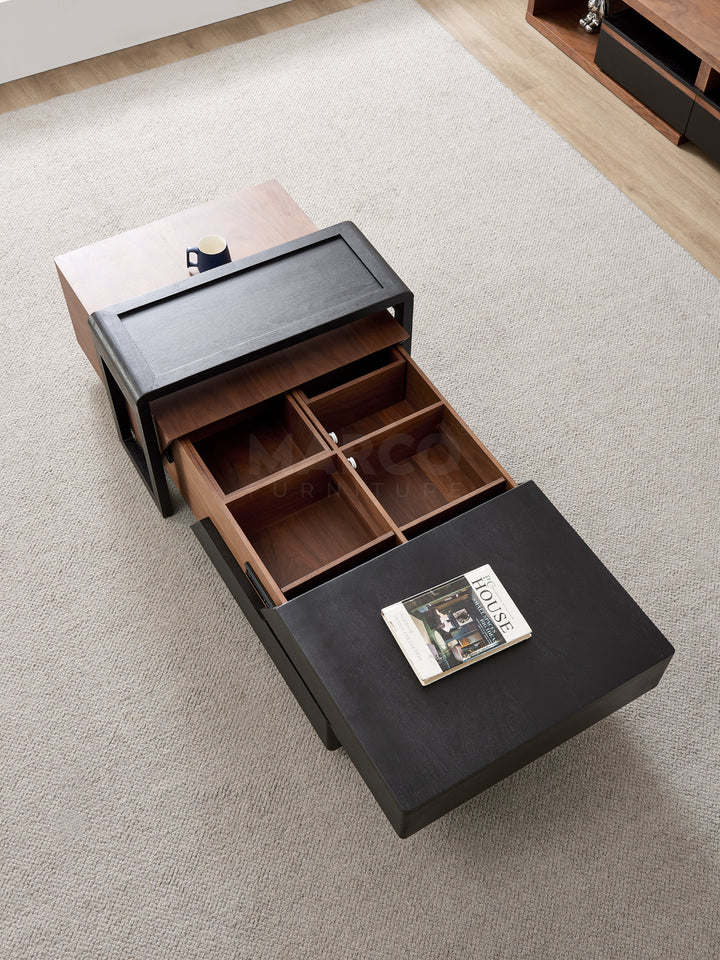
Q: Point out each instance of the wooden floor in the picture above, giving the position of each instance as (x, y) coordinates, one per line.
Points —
(677, 186)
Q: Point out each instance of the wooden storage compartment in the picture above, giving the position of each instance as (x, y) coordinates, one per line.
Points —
(651, 40)
(373, 400)
(266, 438)
(423, 467)
(347, 372)
(311, 524)
(559, 20)
(331, 357)
(288, 502)
(649, 64)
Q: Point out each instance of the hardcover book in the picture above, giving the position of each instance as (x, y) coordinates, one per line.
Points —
(457, 623)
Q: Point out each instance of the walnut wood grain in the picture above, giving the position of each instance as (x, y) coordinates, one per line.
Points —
(693, 23)
(373, 400)
(422, 464)
(707, 78)
(485, 453)
(703, 76)
(153, 256)
(213, 401)
(559, 23)
(300, 399)
(458, 506)
(333, 569)
(310, 524)
(199, 490)
(267, 440)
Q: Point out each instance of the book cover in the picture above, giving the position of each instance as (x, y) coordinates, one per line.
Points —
(457, 623)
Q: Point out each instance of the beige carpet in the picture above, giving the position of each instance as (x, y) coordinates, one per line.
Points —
(162, 796)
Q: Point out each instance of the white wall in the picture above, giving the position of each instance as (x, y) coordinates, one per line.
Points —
(37, 35)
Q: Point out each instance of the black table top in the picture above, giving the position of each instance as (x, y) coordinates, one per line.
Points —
(246, 309)
(589, 638)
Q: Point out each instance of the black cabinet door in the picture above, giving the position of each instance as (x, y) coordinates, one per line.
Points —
(704, 127)
(653, 68)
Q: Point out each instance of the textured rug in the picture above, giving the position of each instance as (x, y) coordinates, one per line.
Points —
(162, 796)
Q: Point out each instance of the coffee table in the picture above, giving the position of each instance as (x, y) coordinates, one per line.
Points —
(421, 750)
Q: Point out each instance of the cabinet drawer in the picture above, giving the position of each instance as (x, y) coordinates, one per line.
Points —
(319, 479)
(703, 126)
(649, 64)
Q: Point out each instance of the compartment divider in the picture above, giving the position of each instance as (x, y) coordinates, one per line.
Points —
(300, 400)
(315, 386)
(458, 420)
(370, 498)
(418, 417)
(318, 521)
(299, 404)
(372, 401)
(303, 404)
(263, 440)
(360, 385)
(279, 477)
(318, 516)
(425, 467)
(366, 551)
(448, 510)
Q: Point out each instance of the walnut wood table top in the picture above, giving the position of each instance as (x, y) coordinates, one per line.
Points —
(693, 23)
(153, 256)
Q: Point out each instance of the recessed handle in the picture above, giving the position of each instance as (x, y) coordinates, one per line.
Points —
(257, 584)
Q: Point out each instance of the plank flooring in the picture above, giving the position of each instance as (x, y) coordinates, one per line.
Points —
(678, 187)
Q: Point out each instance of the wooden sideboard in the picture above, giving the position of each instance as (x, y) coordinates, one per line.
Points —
(649, 52)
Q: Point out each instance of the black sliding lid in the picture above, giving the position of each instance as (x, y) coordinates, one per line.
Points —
(423, 750)
(220, 319)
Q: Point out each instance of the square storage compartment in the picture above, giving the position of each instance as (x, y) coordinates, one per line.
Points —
(311, 523)
(266, 438)
(420, 467)
(373, 401)
(649, 64)
(658, 45)
(347, 372)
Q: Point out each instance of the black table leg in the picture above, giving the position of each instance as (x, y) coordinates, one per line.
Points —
(142, 450)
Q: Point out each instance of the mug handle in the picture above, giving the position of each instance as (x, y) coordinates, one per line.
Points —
(197, 256)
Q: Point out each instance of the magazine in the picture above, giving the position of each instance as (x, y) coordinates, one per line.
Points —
(452, 625)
